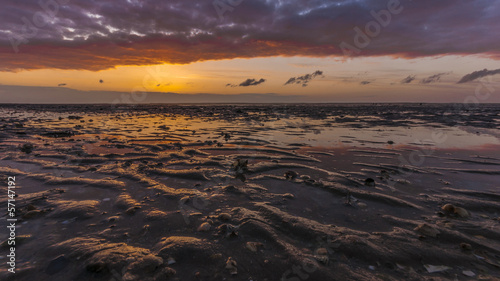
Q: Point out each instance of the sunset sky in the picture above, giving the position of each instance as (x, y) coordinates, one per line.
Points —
(328, 51)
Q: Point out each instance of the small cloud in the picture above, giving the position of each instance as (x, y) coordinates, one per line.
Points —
(248, 82)
(305, 79)
(62, 84)
(252, 82)
(365, 82)
(408, 79)
(101, 81)
(434, 78)
(478, 74)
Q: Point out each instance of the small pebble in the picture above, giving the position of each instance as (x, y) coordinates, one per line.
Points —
(468, 273)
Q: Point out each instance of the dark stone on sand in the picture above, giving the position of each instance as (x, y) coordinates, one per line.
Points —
(370, 182)
(465, 246)
(291, 175)
(57, 264)
(27, 148)
(240, 166)
(97, 267)
(164, 127)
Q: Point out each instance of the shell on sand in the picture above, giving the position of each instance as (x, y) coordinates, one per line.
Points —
(458, 211)
(204, 227)
(461, 212)
(224, 216)
(448, 208)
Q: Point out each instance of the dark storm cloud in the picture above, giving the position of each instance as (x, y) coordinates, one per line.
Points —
(305, 79)
(96, 35)
(408, 80)
(433, 78)
(478, 74)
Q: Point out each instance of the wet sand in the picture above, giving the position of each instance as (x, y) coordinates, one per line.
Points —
(252, 192)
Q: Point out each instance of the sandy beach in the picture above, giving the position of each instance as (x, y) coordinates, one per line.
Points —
(252, 192)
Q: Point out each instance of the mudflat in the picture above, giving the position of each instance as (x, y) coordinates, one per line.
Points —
(251, 192)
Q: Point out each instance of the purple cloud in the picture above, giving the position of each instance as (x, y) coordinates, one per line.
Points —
(304, 79)
(96, 35)
(433, 78)
(408, 79)
(478, 74)
(248, 82)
